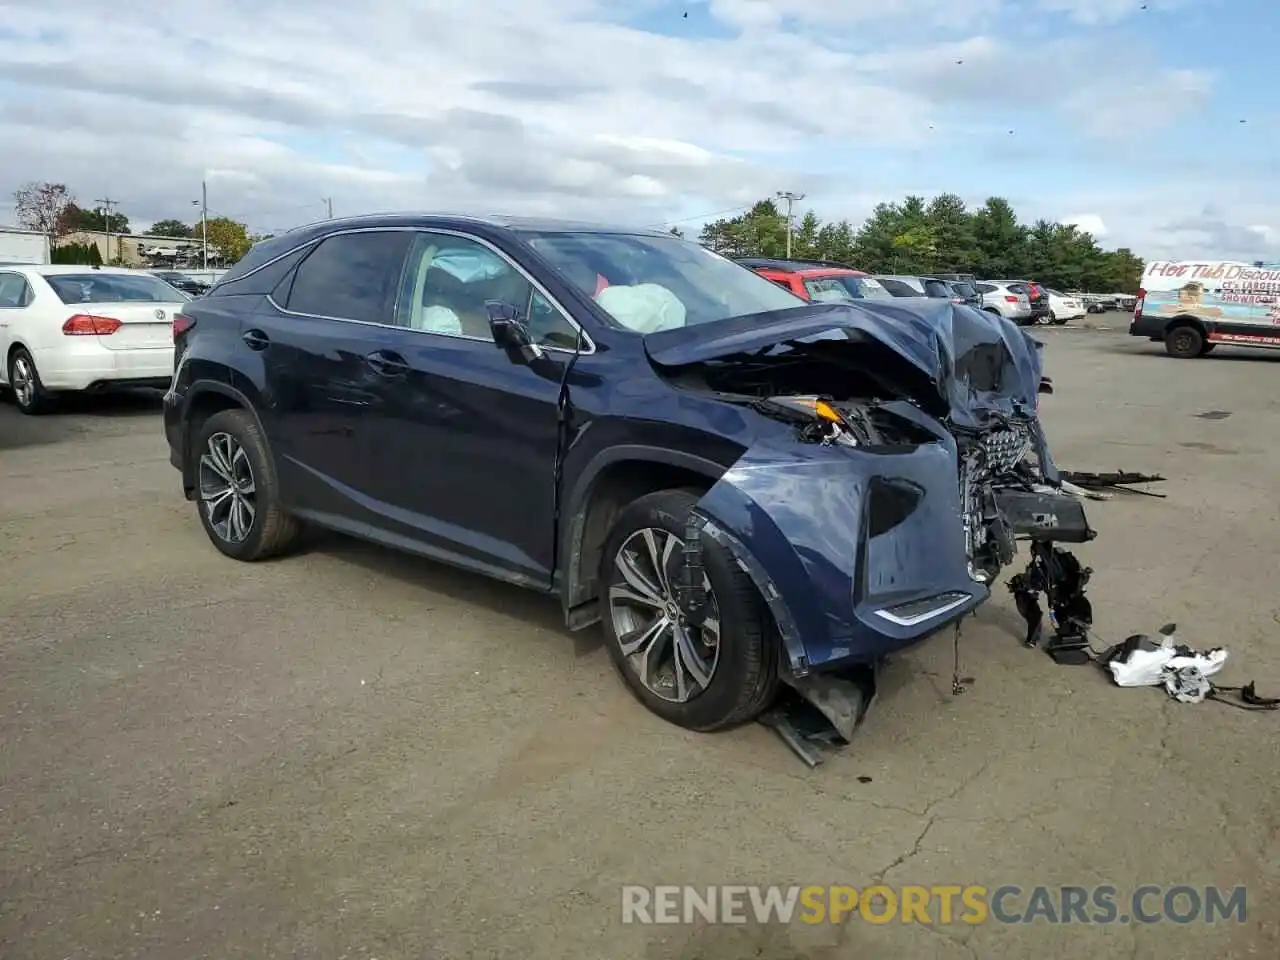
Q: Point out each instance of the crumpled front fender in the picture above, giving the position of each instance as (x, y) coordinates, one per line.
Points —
(857, 551)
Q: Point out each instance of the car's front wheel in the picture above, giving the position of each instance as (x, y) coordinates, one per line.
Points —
(238, 495)
(708, 674)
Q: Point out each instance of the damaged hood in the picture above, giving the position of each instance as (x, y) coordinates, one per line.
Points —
(956, 361)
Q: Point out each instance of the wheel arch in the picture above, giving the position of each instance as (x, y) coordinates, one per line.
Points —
(1187, 320)
(204, 399)
(612, 479)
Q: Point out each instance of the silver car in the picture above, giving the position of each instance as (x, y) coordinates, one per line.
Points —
(1010, 300)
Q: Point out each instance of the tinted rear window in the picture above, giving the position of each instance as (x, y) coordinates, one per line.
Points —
(937, 288)
(1018, 288)
(964, 289)
(112, 288)
(898, 288)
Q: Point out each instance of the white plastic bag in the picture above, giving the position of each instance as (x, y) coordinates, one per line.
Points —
(1147, 668)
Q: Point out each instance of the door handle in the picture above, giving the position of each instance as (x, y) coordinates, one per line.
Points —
(387, 364)
(256, 339)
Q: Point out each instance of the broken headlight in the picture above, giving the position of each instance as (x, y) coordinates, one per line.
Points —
(820, 422)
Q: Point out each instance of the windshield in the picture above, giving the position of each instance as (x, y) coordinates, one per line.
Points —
(113, 288)
(654, 283)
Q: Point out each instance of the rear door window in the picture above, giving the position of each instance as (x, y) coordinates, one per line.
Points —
(351, 276)
(14, 291)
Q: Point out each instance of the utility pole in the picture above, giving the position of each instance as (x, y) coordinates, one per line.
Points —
(328, 202)
(105, 206)
(204, 224)
(791, 198)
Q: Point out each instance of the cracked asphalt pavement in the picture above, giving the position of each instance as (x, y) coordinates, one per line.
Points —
(351, 753)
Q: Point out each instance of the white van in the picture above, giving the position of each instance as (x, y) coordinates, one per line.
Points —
(1194, 305)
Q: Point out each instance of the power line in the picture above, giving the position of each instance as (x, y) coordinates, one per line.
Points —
(703, 216)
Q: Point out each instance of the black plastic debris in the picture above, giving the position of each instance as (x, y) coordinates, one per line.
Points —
(1118, 480)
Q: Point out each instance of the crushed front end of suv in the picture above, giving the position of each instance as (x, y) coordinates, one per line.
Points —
(744, 489)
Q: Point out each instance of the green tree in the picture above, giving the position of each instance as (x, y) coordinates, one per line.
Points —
(1001, 241)
(874, 248)
(941, 235)
(953, 232)
(86, 254)
(229, 238)
(170, 228)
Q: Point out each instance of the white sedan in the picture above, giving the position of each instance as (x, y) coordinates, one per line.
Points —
(73, 328)
(1063, 308)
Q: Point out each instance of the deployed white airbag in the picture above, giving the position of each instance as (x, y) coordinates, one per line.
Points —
(643, 307)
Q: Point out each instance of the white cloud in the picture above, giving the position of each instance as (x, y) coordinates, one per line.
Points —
(1089, 223)
(533, 106)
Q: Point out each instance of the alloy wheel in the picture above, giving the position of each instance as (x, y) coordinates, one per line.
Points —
(674, 658)
(227, 491)
(23, 381)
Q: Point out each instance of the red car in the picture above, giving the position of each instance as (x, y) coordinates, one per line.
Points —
(818, 279)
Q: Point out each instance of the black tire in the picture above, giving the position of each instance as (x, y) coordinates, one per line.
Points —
(272, 531)
(1207, 349)
(745, 679)
(1184, 342)
(35, 399)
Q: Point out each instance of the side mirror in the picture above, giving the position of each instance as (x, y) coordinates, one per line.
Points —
(1046, 385)
(510, 333)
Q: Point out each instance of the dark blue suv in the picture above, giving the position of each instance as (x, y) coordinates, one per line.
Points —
(745, 488)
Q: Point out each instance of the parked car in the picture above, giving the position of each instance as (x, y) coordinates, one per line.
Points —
(1037, 299)
(1009, 300)
(187, 285)
(903, 285)
(965, 292)
(954, 290)
(818, 279)
(745, 488)
(75, 328)
(1063, 307)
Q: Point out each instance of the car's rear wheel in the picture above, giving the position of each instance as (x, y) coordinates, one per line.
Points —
(1056, 320)
(704, 675)
(24, 380)
(237, 492)
(1184, 342)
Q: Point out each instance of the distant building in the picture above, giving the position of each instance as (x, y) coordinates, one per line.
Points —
(140, 250)
(23, 246)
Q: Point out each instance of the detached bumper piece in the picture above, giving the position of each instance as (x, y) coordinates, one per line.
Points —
(819, 713)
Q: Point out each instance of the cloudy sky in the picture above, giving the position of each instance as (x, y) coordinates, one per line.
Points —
(1122, 115)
